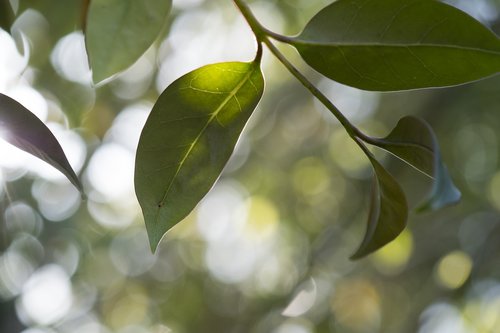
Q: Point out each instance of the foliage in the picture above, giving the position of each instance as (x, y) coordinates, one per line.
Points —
(183, 151)
(196, 125)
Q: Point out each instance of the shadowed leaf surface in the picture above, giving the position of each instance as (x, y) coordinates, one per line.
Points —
(388, 45)
(414, 141)
(6, 15)
(24, 130)
(388, 211)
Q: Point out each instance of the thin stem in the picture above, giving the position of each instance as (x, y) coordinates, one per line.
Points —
(279, 37)
(350, 128)
(262, 35)
(257, 28)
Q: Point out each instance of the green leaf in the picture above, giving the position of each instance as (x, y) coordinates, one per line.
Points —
(23, 129)
(388, 45)
(188, 138)
(6, 15)
(388, 211)
(118, 32)
(414, 141)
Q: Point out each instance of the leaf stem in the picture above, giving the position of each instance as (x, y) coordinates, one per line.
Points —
(262, 34)
(279, 37)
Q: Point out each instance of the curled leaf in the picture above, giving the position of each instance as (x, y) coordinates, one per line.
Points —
(413, 141)
(23, 129)
(388, 45)
(388, 210)
(188, 138)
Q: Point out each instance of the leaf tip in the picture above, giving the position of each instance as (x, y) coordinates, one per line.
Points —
(154, 240)
(454, 196)
(100, 78)
(444, 192)
(155, 235)
(357, 255)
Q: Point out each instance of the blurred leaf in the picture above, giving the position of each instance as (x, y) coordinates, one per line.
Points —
(6, 15)
(24, 130)
(414, 141)
(389, 45)
(388, 211)
(188, 138)
(62, 19)
(118, 32)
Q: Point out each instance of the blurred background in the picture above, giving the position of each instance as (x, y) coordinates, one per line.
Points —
(267, 249)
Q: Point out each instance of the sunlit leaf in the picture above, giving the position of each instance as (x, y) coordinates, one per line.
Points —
(118, 32)
(188, 138)
(389, 45)
(388, 211)
(414, 141)
(23, 129)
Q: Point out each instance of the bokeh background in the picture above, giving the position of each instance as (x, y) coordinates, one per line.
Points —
(267, 249)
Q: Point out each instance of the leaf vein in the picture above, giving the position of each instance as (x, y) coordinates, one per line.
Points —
(213, 117)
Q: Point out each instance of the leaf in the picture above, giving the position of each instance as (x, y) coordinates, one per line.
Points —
(188, 138)
(6, 15)
(388, 211)
(414, 141)
(23, 129)
(388, 45)
(118, 32)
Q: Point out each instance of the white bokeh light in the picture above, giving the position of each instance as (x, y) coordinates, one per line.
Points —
(46, 296)
(38, 330)
(30, 99)
(69, 58)
(294, 327)
(115, 215)
(442, 318)
(111, 171)
(221, 216)
(355, 104)
(213, 36)
(130, 252)
(127, 126)
(303, 301)
(15, 269)
(186, 4)
(56, 202)
(136, 80)
(12, 63)
(233, 262)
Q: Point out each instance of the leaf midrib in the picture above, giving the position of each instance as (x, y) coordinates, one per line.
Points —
(385, 144)
(196, 140)
(430, 45)
(118, 32)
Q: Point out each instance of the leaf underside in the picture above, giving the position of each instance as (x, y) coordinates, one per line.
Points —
(118, 32)
(390, 45)
(414, 141)
(188, 138)
(388, 211)
(23, 129)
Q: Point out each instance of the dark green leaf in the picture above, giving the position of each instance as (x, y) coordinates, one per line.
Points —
(188, 138)
(388, 211)
(24, 130)
(414, 141)
(389, 45)
(118, 32)
(6, 15)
